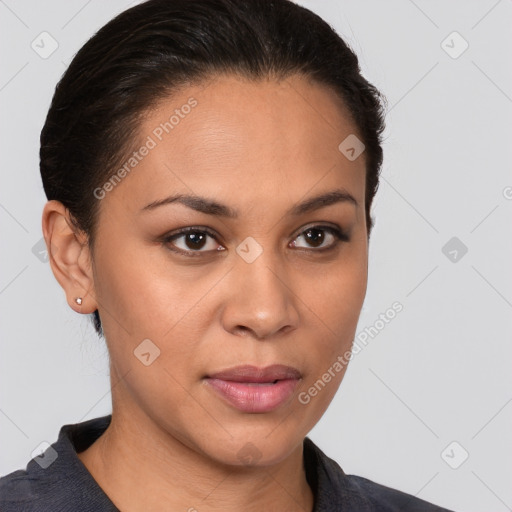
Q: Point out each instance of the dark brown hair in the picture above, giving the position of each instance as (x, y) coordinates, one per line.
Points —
(150, 50)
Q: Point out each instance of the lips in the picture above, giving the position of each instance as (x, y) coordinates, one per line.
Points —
(255, 390)
(249, 373)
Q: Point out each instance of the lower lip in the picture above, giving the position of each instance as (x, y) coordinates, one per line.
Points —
(253, 397)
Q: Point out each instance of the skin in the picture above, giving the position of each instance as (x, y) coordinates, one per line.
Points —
(260, 148)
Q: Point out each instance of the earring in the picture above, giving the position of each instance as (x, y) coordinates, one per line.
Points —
(78, 300)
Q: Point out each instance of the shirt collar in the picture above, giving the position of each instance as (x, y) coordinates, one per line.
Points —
(325, 477)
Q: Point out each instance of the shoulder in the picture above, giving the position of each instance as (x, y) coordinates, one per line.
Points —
(56, 480)
(387, 499)
(337, 491)
(23, 491)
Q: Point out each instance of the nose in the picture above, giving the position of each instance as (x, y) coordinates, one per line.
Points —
(260, 300)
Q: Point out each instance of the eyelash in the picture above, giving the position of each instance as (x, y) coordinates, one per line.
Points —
(339, 235)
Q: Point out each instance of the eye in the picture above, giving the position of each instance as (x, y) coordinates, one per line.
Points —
(315, 237)
(192, 240)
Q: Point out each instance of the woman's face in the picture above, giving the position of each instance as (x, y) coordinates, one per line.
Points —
(263, 279)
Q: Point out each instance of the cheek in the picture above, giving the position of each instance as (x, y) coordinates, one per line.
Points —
(335, 300)
(336, 295)
(147, 297)
(139, 291)
(337, 313)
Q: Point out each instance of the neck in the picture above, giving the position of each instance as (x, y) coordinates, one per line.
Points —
(141, 467)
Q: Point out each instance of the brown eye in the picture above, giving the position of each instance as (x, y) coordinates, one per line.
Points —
(314, 237)
(323, 237)
(195, 240)
(192, 240)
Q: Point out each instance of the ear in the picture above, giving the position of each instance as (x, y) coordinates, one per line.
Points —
(69, 256)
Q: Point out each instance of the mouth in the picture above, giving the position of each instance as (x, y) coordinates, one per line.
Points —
(255, 390)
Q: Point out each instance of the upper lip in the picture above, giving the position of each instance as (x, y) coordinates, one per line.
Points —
(249, 373)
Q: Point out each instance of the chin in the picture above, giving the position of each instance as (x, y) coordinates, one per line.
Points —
(252, 449)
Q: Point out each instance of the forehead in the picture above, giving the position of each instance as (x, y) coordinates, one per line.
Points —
(250, 140)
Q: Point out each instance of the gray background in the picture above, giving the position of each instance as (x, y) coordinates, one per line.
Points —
(439, 372)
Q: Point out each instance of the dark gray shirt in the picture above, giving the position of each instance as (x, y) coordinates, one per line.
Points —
(57, 481)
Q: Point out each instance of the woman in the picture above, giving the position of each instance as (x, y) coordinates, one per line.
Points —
(210, 168)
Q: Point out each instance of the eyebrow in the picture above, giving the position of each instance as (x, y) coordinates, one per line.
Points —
(211, 207)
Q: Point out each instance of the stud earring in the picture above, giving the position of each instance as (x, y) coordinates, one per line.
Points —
(78, 300)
